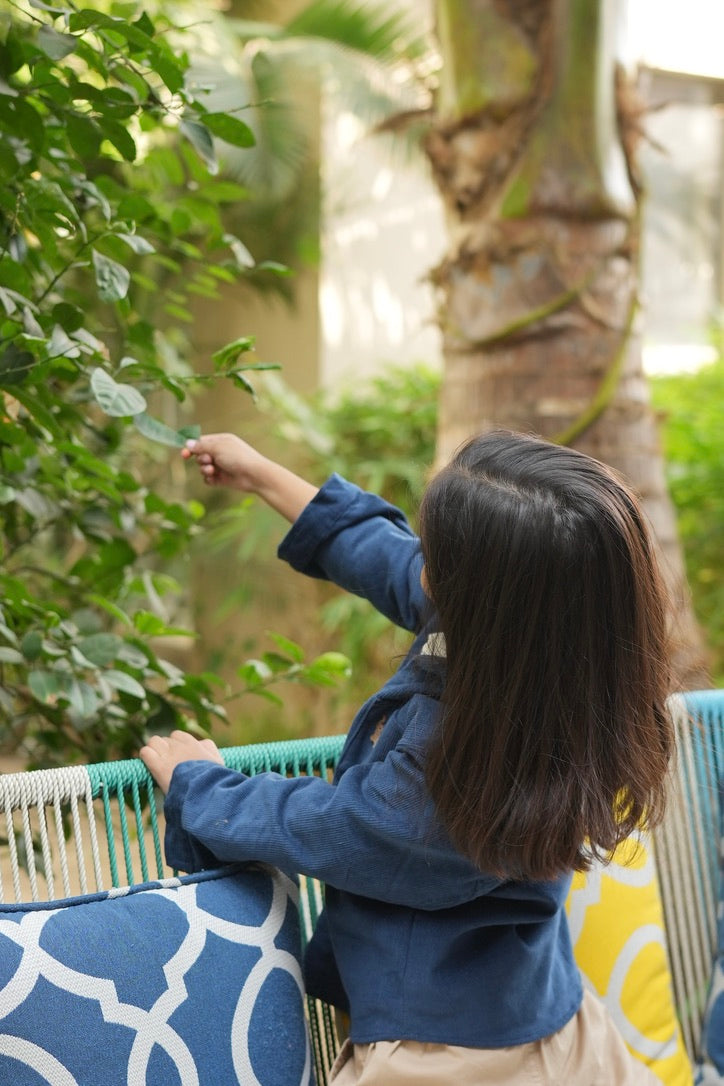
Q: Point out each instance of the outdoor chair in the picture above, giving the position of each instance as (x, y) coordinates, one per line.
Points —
(89, 833)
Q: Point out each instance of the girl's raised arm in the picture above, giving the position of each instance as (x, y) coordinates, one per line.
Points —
(227, 460)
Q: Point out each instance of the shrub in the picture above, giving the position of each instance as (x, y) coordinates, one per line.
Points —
(110, 217)
(693, 436)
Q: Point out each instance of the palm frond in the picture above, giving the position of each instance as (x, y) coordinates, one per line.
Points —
(260, 90)
(369, 58)
(371, 28)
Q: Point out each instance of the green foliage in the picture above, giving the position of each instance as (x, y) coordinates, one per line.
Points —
(110, 219)
(374, 30)
(287, 664)
(380, 435)
(693, 435)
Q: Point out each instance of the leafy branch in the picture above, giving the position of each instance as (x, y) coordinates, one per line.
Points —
(104, 235)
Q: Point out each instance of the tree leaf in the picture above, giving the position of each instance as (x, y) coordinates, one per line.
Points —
(199, 137)
(84, 20)
(101, 648)
(112, 278)
(230, 129)
(193, 431)
(15, 365)
(68, 316)
(241, 254)
(254, 672)
(231, 351)
(32, 645)
(334, 663)
(84, 135)
(28, 124)
(158, 431)
(11, 656)
(121, 139)
(275, 268)
(145, 24)
(45, 686)
(169, 70)
(241, 382)
(291, 648)
(83, 698)
(117, 400)
(268, 695)
(111, 607)
(120, 680)
(137, 243)
(55, 45)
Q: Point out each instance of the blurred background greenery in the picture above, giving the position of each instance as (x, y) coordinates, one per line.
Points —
(281, 218)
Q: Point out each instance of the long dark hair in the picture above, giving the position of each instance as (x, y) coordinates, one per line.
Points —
(554, 740)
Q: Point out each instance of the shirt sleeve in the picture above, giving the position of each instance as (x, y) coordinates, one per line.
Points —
(373, 833)
(363, 544)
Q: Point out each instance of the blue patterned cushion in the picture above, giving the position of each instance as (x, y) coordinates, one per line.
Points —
(192, 981)
(710, 1071)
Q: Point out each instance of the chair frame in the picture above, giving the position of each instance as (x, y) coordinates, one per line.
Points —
(89, 828)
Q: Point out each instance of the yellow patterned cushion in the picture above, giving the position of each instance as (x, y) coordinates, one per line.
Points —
(617, 928)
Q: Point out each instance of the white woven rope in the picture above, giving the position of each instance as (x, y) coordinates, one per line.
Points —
(61, 849)
(12, 848)
(29, 846)
(45, 849)
(29, 794)
(668, 863)
(78, 842)
(685, 873)
(95, 854)
(688, 885)
(707, 901)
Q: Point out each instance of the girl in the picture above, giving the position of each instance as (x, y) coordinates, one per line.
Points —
(524, 733)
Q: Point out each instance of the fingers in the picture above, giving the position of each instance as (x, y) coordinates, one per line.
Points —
(210, 472)
(211, 749)
(162, 753)
(155, 757)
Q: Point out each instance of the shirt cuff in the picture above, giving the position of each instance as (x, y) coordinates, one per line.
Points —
(337, 505)
(182, 851)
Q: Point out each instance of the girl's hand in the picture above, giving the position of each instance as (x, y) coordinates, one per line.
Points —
(226, 460)
(163, 753)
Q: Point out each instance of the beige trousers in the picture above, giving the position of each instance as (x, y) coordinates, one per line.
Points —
(588, 1051)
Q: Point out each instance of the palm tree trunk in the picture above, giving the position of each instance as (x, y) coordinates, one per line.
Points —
(533, 156)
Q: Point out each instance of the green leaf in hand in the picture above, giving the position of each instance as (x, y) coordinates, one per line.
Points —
(158, 431)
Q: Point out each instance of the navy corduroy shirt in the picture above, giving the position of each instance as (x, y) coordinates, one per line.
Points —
(415, 941)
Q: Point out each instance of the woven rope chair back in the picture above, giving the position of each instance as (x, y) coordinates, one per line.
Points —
(87, 828)
(687, 849)
(81, 829)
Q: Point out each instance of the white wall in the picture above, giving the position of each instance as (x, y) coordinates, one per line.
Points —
(383, 232)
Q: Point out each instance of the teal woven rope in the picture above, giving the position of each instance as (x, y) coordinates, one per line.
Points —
(136, 796)
(116, 776)
(109, 779)
(108, 823)
(300, 755)
(291, 756)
